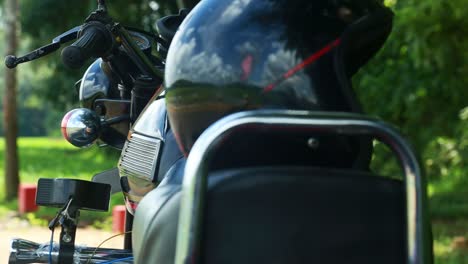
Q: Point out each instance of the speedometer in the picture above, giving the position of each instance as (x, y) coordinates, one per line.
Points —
(141, 40)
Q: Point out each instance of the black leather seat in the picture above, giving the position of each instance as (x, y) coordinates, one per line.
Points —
(287, 215)
(303, 215)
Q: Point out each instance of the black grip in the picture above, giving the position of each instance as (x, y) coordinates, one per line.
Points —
(11, 61)
(94, 40)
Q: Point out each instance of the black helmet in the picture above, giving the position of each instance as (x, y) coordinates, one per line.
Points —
(235, 55)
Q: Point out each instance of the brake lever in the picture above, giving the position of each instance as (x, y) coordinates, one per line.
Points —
(67, 36)
(12, 61)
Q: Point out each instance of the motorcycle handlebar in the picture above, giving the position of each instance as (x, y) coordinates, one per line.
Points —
(94, 40)
(25, 252)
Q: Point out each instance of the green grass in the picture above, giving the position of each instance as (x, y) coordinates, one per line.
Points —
(54, 158)
(446, 234)
(450, 224)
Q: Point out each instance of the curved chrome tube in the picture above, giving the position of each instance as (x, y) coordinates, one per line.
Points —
(196, 170)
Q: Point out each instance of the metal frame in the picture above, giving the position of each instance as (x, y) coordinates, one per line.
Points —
(196, 171)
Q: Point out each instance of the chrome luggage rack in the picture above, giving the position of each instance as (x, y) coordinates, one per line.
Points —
(196, 171)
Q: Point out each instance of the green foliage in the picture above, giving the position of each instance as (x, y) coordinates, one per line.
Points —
(419, 79)
(447, 166)
(418, 82)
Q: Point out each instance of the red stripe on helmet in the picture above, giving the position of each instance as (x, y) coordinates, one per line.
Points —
(309, 60)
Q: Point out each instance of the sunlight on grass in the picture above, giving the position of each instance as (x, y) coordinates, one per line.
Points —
(45, 142)
(445, 253)
(56, 158)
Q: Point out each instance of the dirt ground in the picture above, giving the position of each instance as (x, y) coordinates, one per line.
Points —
(12, 227)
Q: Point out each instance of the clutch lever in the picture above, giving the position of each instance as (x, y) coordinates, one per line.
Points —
(11, 61)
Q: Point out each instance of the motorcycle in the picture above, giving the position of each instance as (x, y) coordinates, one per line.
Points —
(114, 91)
(259, 96)
(229, 201)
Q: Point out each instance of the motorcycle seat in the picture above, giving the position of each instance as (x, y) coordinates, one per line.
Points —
(283, 214)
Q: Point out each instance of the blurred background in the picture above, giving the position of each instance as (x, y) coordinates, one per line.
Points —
(418, 82)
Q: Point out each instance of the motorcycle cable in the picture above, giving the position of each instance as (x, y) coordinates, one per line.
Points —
(107, 239)
(51, 245)
(117, 260)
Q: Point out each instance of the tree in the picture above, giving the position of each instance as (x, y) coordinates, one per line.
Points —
(9, 104)
(419, 81)
(419, 78)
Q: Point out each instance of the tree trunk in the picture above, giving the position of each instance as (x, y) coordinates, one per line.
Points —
(9, 104)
